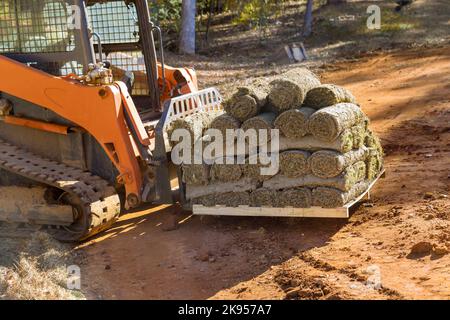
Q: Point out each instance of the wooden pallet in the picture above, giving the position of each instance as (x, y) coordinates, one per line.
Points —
(313, 212)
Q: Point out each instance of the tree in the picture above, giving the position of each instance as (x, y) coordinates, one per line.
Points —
(308, 19)
(208, 23)
(187, 36)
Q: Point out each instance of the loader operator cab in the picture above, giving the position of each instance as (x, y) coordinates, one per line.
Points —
(63, 37)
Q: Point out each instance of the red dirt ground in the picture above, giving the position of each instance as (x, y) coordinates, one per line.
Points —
(407, 96)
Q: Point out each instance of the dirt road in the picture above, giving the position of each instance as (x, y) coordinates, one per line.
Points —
(407, 96)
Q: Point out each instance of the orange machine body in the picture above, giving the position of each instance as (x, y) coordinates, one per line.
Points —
(178, 81)
(97, 109)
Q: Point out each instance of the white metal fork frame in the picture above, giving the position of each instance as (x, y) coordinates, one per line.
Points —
(202, 101)
(206, 100)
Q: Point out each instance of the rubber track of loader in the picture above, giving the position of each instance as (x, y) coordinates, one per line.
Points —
(99, 201)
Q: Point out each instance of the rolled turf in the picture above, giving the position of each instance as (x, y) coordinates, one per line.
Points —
(263, 197)
(328, 123)
(327, 95)
(294, 163)
(247, 101)
(223, 150)
(196, 124)
(233, 199)
(293, 123)
(329, 164)
(226, 172)
(344, 181)
(264, 121)
(333, 198)
(196, 191)
(343, 143)
(228, 199)
(289, 90)
(328, 155)
(374, 164)
(252, 169)
(374, 161)
(296, 198)
(358, 134)
(196, 174)
(224, 122)
(207, 201)
(371, 140)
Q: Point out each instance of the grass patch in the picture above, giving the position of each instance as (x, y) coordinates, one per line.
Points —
(38, 272)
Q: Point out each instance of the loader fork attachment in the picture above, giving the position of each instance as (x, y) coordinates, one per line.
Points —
(206, 100)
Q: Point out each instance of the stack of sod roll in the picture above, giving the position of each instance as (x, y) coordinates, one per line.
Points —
(328, 156)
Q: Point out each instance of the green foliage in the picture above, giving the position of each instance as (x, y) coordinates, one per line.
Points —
(254, 13)
(167, 13)
(394, 22)
(250, 13)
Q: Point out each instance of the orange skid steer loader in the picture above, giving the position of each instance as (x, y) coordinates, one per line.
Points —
(83, 113)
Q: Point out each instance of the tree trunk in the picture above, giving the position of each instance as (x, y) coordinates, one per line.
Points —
(187, 37)
(308, 19)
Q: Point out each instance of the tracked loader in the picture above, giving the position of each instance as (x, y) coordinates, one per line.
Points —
(85, 98)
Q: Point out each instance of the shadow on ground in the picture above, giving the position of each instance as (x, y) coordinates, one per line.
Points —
(204, 255)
